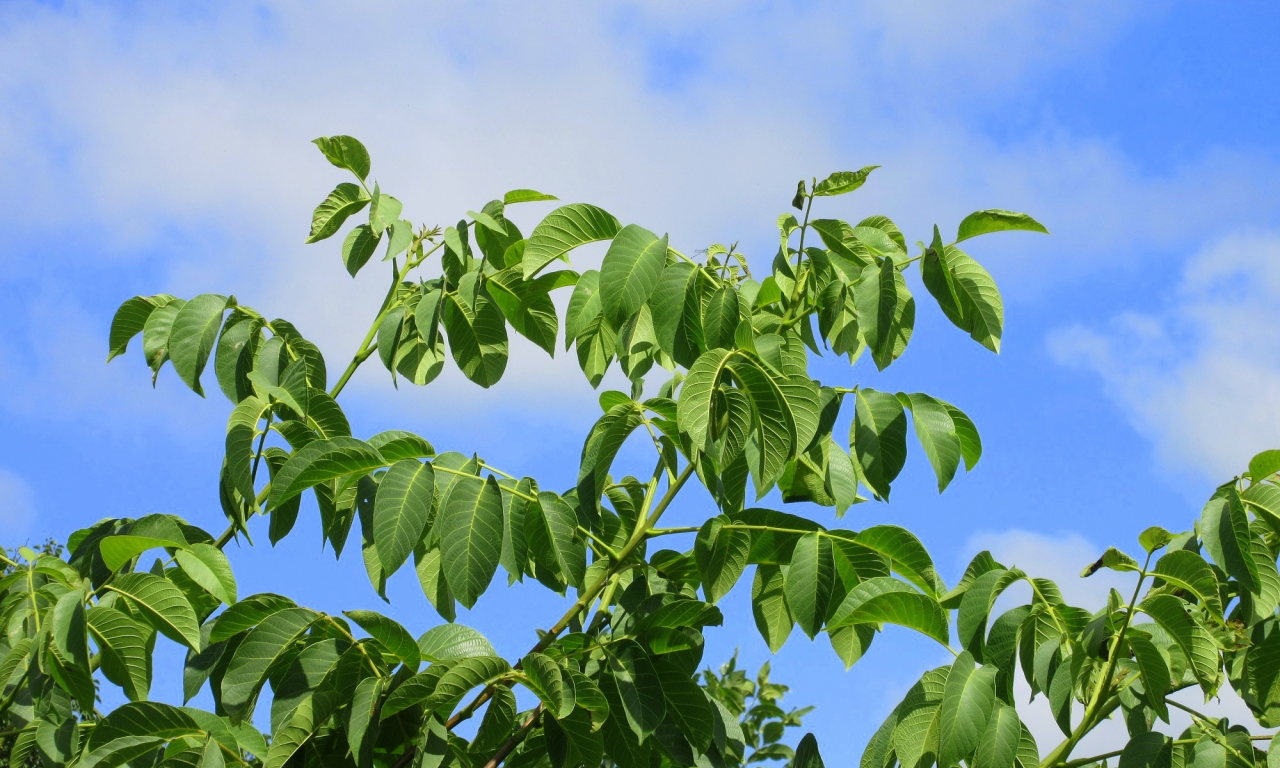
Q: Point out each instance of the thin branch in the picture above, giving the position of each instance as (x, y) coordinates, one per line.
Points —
(517, 737)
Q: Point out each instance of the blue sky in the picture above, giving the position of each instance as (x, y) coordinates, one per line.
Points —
(151, 148)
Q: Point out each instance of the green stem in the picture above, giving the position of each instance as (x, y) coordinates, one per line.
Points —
(1190, 711)
(656, 532)
(589, 594)
(507, 748)
(368, 346)
(496, 471)
(608, 550)
(1086, 760)
(583, 601)
(1093, 711)
(8, 700)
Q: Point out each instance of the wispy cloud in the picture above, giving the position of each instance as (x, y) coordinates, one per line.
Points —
(1200, 378)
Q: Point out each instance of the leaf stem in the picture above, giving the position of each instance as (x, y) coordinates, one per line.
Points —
(368, 346)
(1093, 710)
(1190, 711)
(656, 532)
(608, 550)
(510, 745)
(13, 695)
(589, 594)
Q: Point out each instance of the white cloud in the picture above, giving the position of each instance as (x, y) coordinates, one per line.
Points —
(187, 133)
(1201, 379)
(17, 507)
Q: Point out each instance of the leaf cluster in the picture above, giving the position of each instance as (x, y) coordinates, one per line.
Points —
(616, 677)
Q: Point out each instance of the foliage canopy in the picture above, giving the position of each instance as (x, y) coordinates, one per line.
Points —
(616, 677)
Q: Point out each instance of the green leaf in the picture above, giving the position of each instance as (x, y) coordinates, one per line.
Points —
(453, 641)
(343, 201)
(804, 400)
(1156, 677)
(639, 689)
(194, 332)
(163, 605)
(1194, 640)
(976, 605)
(345, 152)
(1028, 752)
(630, 272)
(998, 747)
(697, 394)
(477, 337)
(937, 435)
(312, 712)
(769, 606)
(584, 306)
(967, 704)
(686, 704)
(564, 229)
(842, 182)
(966, 293)
(807, 751)
(677, 312)
(809, 581)
(499, 719)
(886, 311)
(247, 613)
(116, 551)
(600, 449)
(56, 743)
(144, 718)
(1187, 570)
(525, 196)
(996, 220)
(363, 713)
(235, 353)
(121, 751)
(470, 529)
(720, 318)
(395, 445)
(548, 681)
(401, 511)
(358, 247)
(257, 654)
(970, 442)
(721, 554)
(320, 461)
(71, 644)
(123, 650)
(878, 438)
(1264, 500)
(431, 577)
(155, 336)
(776, 435)
(527, 304)
(1224, 531)
(515, 542)
(1147, 750)
(384, 210)
(1261, 467)
(242, 428)
(388, 632)
(1154, 538)
(208, 567)
(129, 320)
(1113, 559)
(885, 599)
